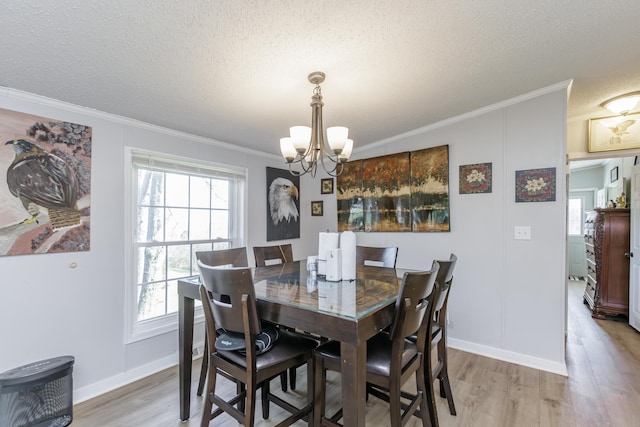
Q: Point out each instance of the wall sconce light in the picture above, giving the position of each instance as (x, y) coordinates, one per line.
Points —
(623, 104)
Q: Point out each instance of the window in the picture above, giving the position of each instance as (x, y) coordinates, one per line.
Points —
(574, 217)
(178, 207)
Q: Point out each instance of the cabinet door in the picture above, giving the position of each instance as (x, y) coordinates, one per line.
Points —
(616, 292)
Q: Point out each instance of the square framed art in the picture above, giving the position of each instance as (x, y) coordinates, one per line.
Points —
(326, 186)
(475, 178)
(536, 185)
(317, 208)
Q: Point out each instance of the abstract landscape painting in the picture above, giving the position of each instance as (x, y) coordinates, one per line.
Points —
(430, 189)
(399, 192)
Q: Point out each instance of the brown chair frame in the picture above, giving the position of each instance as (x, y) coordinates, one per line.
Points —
(387, 256)
(391, 358)
(439, 340)
(228, 298)
(284, 253)
(235, 257)
(262, 254)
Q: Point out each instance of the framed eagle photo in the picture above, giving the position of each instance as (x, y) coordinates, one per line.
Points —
(283, 205)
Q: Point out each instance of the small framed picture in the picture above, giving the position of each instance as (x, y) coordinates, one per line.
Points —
(614, 174)
(326, 186)
(536, 185)
(317, 208)
(475, 178)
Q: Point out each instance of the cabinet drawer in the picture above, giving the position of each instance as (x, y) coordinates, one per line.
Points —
(590, 288)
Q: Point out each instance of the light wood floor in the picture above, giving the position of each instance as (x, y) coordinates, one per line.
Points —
(603, 388)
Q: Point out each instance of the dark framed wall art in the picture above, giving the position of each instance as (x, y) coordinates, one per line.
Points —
(283, 205)
(476, 178)
(317, 208)
(614, 174)
(536, 185)
(326, 186)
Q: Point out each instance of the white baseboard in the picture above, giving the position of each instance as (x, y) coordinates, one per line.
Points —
(509, 356)
(120, 380)
(128, 377)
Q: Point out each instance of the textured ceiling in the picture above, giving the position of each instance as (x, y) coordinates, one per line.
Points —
(236, 71)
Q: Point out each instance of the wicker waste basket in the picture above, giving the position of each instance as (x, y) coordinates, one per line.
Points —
(39, 394)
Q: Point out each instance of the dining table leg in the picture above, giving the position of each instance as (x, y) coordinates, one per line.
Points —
(354, 362)
(185, 356)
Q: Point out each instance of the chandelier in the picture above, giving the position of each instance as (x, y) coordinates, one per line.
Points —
(305, 146)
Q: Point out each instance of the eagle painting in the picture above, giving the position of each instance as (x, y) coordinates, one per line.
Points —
(283, 214)
(43, 180)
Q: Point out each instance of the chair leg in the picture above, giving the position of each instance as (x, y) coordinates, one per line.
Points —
(395, 409)
(250, 413)
(204, 367)
(445, 384)
(425, 411)
(206, 411)
(240, 388)
(445, 390)
(265, 399)
(310, 388)
(429, 392)
(292, 378)
(320, 381)
(283, 381)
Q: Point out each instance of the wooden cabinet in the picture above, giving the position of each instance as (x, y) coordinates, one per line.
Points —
(606, 234)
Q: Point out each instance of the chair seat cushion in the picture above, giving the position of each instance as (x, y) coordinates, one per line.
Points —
(288, 346)
(378, 353)
(228, 340)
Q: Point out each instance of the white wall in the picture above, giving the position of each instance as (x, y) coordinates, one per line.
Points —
(48, 309)
(508, 297)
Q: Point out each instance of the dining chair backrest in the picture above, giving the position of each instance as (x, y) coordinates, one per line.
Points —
(378, 257)
(415, 304)
(444, 279)
(235, 257)
(265, 255)
(226, 288)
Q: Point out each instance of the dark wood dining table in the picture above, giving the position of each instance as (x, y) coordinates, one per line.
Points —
(350, 312)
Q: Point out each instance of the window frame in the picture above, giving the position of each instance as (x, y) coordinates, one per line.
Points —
(137, 330)
(582, 215)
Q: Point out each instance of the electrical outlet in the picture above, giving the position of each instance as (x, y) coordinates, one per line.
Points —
(197, 351)
(522, 232)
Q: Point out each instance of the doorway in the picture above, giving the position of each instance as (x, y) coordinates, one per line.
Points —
(592, 183)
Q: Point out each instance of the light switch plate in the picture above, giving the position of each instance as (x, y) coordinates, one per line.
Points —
(522, 232)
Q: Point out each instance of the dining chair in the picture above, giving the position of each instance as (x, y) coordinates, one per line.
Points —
(378, 257)
(439, 331)
(236, 257)
(270, 255)
(265, 254)
(392, 359)
(229, 303)
(437, 339)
